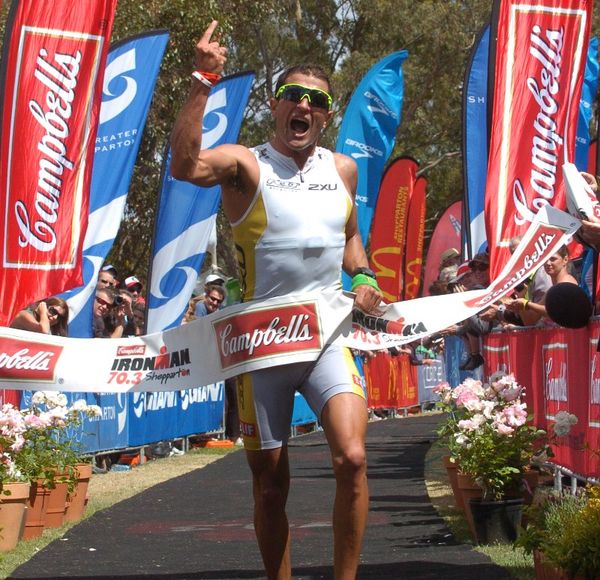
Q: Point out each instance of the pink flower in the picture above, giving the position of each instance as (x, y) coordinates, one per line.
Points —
(471, 424)
(511, 393)
(37, 422)
(474, 385)
(503, 429)
(442, 387)
(464, 396)
(515, 415)
(474, 405)
(19, 442)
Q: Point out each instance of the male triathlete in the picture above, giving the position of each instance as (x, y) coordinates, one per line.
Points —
(291, 206)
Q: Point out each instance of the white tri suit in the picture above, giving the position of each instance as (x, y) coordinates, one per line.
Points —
(292, 239)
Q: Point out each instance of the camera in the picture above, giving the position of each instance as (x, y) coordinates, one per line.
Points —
(118, 300)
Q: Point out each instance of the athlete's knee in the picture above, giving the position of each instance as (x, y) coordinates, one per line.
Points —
(351, 462)
(270, 495)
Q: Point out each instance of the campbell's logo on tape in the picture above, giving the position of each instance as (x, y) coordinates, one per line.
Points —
(268, 332)
(22, 360)
(133, 350)
(526, 260)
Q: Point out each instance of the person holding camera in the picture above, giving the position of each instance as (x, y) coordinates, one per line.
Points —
(48, 316)
(109, 314)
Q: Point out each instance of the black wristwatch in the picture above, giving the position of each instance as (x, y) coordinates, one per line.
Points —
(366, 271)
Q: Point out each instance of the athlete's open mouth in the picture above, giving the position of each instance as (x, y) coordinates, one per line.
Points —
(299, 126)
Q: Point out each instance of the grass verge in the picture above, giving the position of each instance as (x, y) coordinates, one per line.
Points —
(519, 564)
(110, 488)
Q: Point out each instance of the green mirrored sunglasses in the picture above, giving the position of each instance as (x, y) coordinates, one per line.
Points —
(295, 93)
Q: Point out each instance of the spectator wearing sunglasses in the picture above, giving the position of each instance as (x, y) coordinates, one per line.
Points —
(109, 314)
(49, 316)
(134, 286)
(211, 301)
(291, 206)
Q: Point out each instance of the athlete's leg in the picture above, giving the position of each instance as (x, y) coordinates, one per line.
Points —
(344, 420)
(265, 405)
(270, 485)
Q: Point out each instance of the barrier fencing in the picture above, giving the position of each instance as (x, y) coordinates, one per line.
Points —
(133, 420)
(559, 368)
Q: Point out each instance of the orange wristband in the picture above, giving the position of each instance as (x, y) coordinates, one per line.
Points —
(206, 78)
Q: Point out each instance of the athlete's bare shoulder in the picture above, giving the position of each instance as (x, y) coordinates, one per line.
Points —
(239, 187)
(348, 170)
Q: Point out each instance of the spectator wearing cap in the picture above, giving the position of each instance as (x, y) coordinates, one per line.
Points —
(480, 270)
(461, 280)
(111, 270)
(449, 257)
(133, 285)
(214, 279)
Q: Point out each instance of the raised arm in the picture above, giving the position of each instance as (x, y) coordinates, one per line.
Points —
(27, 320)
(232, 166)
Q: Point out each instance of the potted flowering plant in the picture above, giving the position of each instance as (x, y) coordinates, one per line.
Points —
(14, 490)
(12, 428)
(490, 435)
(49, 455)
(50, 448)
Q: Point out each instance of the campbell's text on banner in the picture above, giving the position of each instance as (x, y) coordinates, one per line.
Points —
(54, 54)
(539, 69)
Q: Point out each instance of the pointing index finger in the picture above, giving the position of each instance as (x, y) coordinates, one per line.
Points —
(209, 31)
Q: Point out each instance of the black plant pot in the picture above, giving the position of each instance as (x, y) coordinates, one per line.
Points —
(496, 521)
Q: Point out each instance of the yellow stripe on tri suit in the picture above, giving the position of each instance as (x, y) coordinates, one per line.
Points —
(246, 234)
(357, 382)
(247, 413)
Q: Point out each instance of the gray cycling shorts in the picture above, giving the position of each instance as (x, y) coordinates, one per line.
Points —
(266, 397)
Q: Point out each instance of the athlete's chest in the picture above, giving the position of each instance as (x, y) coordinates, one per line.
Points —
(301, 203)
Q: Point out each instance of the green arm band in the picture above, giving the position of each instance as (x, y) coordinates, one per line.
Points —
(361, 279)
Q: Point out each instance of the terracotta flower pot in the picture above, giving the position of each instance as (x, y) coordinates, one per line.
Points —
(13, 502)
(544, 570)
(36, 510)
(77, 500)
(57, 504)
(452, 470)
(469, 490)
